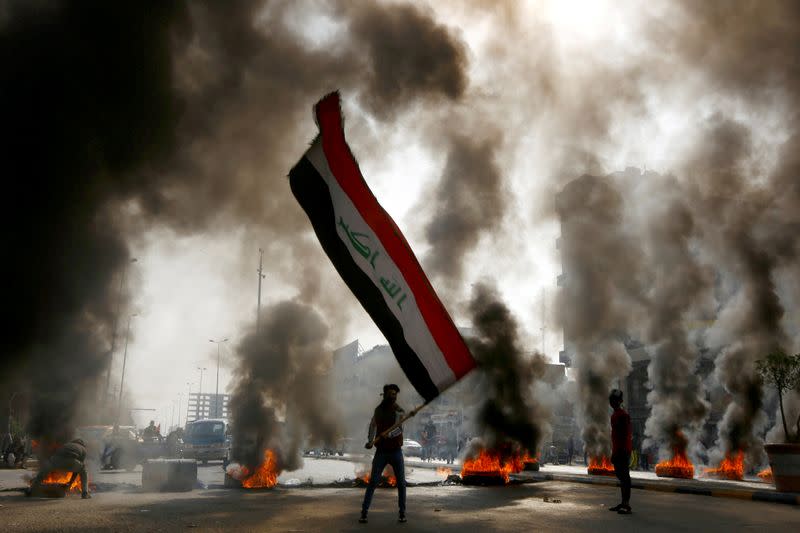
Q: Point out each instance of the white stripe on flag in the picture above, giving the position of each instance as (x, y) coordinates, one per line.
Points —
(376, 263)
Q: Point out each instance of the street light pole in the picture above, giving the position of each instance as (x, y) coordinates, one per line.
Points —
(124, 362)
(180, 406)
(216, 392)
(261, 276)
(116, 320)
(200, 390)
(188, 398)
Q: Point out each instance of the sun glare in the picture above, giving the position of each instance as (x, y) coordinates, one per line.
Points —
(585, 22)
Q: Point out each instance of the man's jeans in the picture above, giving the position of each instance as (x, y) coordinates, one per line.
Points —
(379, 462)
(621, 464)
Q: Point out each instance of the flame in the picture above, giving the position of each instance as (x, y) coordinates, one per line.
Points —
(57, 477)
(600, 466)
(265, 476)
(766, 475)
(443, 471)
(730, 467)
(527, 458)
(492, 463)
(680, 465)
(388, 478)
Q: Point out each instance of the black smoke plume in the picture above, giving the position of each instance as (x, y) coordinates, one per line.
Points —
(186, 115)
(89, 108)
(749, 322)
(470, 201)
(679, 284)
(510, 412)
(281, 398)
(601, 293)
(749, 207)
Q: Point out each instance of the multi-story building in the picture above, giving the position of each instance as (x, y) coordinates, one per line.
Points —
(207, 405)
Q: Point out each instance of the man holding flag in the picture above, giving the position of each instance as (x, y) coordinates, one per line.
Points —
(389, 451)
(376, 262)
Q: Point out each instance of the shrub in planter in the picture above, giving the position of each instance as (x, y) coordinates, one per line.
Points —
(782, 371)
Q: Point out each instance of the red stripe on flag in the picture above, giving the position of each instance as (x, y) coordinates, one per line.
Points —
(345, 169)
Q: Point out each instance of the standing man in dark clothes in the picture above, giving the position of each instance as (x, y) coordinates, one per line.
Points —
(621, 447)
(389, 450)
(69, 458)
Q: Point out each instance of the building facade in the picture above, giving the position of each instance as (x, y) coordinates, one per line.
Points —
(207, 405)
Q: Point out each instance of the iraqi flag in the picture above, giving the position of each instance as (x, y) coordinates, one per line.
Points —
(374, 259)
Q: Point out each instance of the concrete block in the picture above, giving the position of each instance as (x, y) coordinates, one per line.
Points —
(231, 482)
(169, 475)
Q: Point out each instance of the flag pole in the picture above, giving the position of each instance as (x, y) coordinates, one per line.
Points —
(399, 423)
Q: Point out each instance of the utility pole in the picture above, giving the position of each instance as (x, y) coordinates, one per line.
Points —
(216, 393)
(116, 322)
(544, 320)
(124, 362)
(260, 277)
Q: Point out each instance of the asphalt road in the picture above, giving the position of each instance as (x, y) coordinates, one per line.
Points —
(121, 506)
(447, 509)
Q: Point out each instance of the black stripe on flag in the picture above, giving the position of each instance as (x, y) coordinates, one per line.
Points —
(314, 197)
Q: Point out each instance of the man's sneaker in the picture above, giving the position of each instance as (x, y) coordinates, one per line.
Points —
(624, 509)
(402, 518)
(363, 518)
(86, 496)
(615, 508)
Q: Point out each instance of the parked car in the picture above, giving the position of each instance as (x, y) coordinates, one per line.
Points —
(412, 448)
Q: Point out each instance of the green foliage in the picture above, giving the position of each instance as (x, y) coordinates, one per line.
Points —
(782, 371)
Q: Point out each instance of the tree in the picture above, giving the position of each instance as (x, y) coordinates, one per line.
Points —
(783, 372)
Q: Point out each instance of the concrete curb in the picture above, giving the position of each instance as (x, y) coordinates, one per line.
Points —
(708, 488)
(666, 486)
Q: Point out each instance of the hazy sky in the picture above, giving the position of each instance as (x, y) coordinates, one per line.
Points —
(539, 71)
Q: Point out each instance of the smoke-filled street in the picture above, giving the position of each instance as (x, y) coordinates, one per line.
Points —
(435, 264)
(317, 498)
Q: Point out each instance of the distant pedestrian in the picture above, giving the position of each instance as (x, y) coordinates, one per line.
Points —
(621, 447)
(389, 450)
(151, 431)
